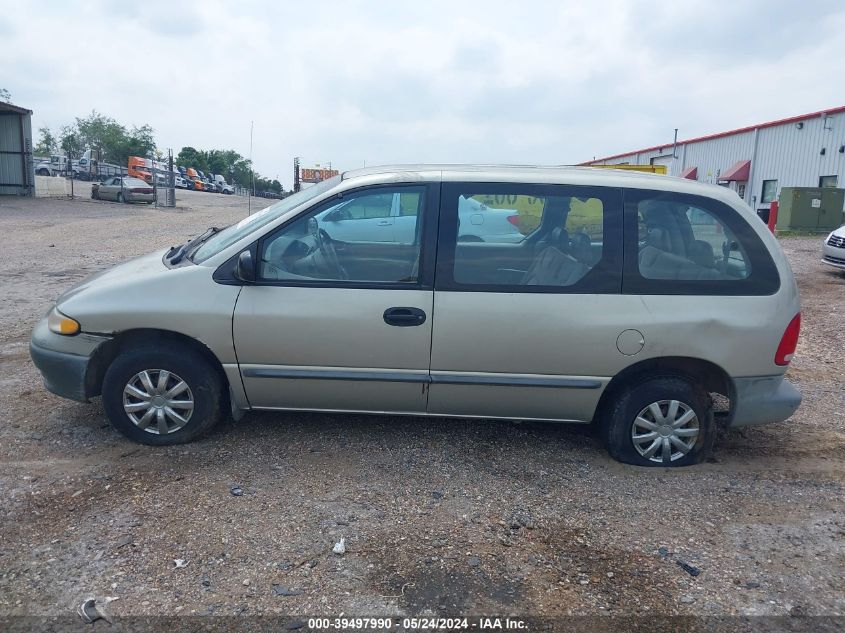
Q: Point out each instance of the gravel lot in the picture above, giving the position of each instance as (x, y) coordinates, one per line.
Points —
(440, 517)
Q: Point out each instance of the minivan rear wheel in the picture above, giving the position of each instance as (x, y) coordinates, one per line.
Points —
(661, 421)
(162, 397)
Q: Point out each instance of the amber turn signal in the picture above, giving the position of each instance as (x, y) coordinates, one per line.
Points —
(61, 324)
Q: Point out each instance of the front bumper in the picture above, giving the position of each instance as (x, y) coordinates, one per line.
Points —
(833, 256)
(763, 399)
(64, 361)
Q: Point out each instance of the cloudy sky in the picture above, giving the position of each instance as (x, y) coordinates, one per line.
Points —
(456, 81)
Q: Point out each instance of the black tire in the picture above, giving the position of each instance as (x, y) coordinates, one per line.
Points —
(618, 424)
(95, 194)
(203, 381)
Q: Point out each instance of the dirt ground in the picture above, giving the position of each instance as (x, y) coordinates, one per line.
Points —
(439, 517)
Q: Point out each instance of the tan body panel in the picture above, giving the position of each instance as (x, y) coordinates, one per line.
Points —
(292, 331)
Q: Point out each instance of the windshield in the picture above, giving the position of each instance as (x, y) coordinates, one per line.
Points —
(231, 234)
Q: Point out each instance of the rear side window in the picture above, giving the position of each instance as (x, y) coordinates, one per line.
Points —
(692, 245)
(513, 237)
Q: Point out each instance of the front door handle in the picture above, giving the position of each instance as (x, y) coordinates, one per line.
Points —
(404, 317)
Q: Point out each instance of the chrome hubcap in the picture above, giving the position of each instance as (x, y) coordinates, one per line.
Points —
(665, 431)
(158, 401)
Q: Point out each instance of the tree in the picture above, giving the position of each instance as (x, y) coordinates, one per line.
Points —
(191, 157)
(244, 174)
(103, 133)
(232, 166)
(47, 143)
(70, 141)
(140, 141)
(114, 143)
(5, 95)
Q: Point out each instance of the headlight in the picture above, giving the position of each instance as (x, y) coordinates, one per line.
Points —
(61, 324)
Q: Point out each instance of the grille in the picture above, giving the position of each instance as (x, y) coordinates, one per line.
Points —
(834, 240)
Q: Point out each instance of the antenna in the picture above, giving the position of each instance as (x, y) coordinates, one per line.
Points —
(251, 173)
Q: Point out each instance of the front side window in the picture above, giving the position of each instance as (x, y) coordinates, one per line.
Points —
(690, 245)
(770, 191)
(235, 232)
(529, 238)
(358, 237)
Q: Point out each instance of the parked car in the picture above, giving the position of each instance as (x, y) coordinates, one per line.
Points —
(123, 189)
(384, 218)
(833, 250)
(626, 321)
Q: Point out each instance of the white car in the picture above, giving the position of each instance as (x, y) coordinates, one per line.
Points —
(833, 251)
(355, 220)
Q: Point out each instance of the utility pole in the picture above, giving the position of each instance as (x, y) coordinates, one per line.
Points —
(296, 185)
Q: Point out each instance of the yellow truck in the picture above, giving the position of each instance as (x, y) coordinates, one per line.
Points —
(651, 169)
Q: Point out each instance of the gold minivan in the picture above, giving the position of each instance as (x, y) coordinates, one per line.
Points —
(620, 299)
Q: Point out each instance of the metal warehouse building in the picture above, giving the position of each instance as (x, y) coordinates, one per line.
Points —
(758, 160)
(17, 176)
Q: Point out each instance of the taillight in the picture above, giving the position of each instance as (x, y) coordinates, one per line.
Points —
(788, 342)
(514, 219)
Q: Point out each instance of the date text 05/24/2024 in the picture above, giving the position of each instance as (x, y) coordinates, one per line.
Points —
(418, 624)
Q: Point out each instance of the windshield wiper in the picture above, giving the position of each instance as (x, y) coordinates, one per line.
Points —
(177, 253)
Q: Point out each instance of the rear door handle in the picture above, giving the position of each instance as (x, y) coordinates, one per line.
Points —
(404, 317)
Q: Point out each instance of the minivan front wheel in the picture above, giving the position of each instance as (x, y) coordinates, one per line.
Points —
(162, 397)
(662, 421)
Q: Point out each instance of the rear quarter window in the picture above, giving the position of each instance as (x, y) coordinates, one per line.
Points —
(692, 245)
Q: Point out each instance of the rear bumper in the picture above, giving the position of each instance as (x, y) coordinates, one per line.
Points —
(763, 399)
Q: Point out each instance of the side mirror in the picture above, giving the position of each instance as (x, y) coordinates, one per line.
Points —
(245, 269)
